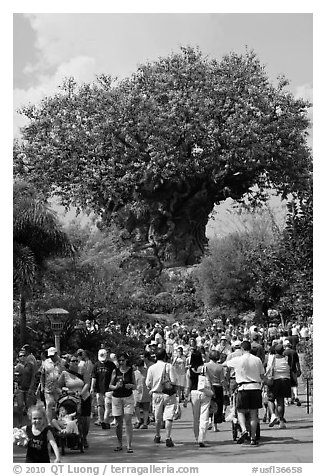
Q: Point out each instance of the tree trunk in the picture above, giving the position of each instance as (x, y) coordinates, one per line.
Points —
(22, 319)
(170, 229)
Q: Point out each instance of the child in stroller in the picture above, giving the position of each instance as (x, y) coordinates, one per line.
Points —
(66, 422)
(66, 427)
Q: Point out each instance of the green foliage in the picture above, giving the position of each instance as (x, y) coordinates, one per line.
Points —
(240, 271)
(180, 126)
(37, 235)
(40, 337)
(296, 253)
(306, 348)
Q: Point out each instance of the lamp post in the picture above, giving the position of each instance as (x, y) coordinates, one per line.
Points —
(57, 319)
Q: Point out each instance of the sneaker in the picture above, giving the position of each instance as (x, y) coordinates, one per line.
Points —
(97, 423)
(169, 443)
(282, 425)
(202, 445)
(157, 439)
(143, 427)
(264, 418)
(137, 425)
(242, 437)
(210, 426)
(105, 426)
(253, 442)
(274, 421)
(297, 401)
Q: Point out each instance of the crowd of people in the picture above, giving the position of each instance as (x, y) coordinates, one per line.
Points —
(224, 373)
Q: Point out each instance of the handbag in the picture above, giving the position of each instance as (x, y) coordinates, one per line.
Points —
(177, 412)
(167, 386)
(204, 384)
(269, 375)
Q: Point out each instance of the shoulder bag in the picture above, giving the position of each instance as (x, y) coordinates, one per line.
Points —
(269, 374)
(167, 386)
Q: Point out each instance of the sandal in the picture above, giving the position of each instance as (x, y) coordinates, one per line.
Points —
(118, 448)
(130, 450)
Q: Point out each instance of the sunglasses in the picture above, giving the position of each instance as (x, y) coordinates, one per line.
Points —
(74, 360)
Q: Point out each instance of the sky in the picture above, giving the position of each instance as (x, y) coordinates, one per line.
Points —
(48, 47)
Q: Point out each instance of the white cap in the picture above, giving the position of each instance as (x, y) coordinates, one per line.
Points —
(102, 355)
(52, 351)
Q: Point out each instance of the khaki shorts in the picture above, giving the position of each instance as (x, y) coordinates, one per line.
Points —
(123, 406)
(164, 406)
(103, 399)
(51, 399)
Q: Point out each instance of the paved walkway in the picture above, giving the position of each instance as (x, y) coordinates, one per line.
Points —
(291, 445)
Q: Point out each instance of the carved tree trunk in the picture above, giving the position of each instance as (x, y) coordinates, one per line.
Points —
(170, 229)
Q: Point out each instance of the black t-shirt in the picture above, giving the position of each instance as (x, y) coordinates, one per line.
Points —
(294, 340)
(126, 377)
(293, 358)
(37, 446)
(102, 372)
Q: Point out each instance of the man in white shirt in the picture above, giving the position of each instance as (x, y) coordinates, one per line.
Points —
(249, 373)
(164, 405)
(50, 373)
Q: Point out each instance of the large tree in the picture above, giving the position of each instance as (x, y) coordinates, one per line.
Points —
(156, 151)
(37, 236)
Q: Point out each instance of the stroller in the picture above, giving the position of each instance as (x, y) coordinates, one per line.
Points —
(236, 428)
(72, 441)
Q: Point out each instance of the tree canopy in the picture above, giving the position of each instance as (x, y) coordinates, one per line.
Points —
(156, 151)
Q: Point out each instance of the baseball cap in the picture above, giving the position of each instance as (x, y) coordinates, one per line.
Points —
(287, 343)
(223, 337)
(52, 351)
(237, 344)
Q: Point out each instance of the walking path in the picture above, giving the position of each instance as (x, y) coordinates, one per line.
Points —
(291, 445)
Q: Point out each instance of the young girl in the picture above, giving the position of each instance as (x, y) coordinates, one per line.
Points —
(39, 435)
(66, 422)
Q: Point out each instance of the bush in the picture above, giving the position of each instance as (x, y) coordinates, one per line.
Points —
(306, 348)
